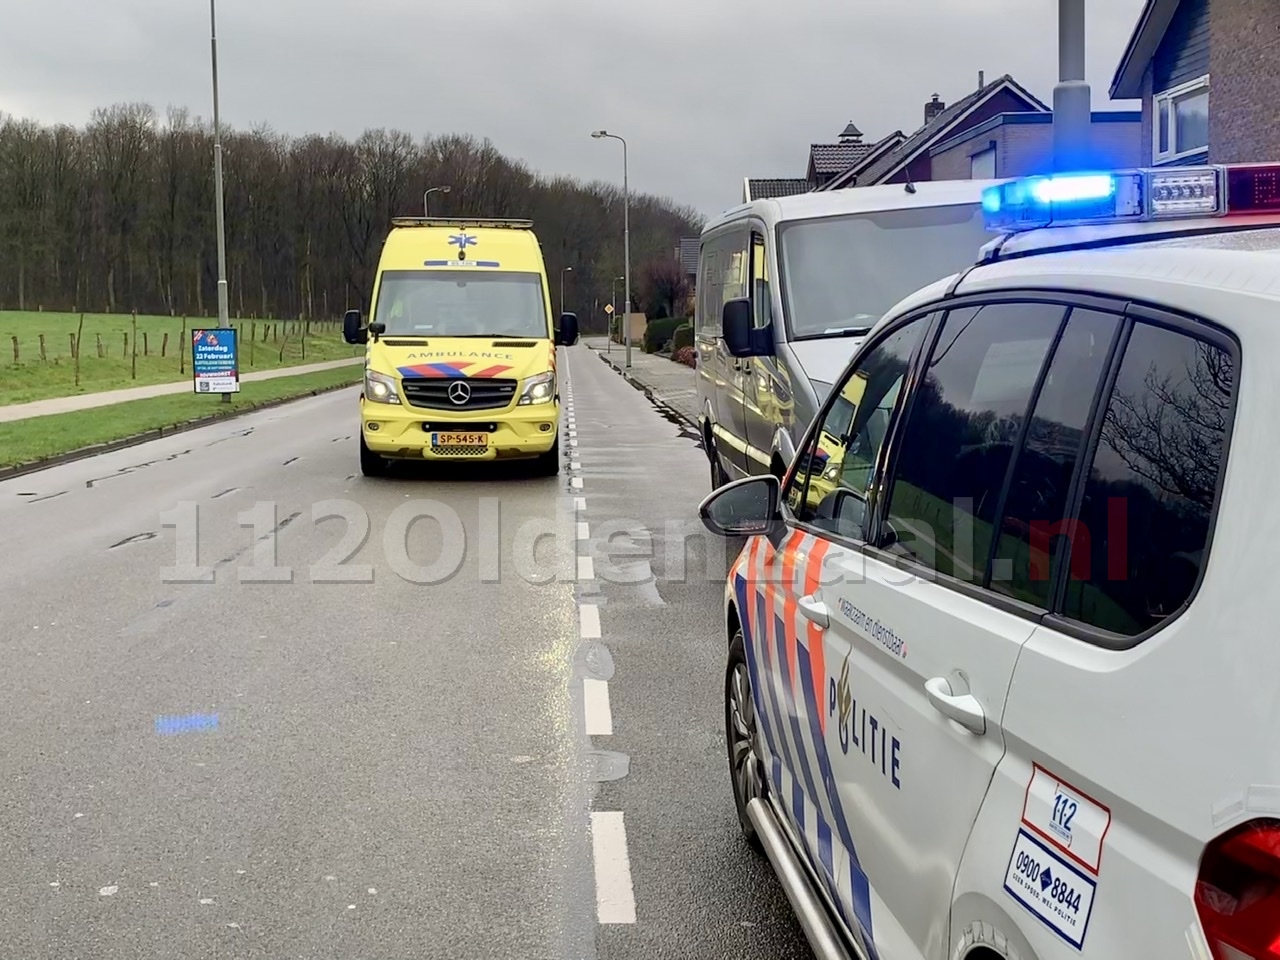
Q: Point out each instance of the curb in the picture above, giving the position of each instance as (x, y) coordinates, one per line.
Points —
(648, 391)
(83, 453)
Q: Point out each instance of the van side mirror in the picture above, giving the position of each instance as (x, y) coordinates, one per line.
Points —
(377, 329)
(567, 334)
(741, 337)
(352, 332)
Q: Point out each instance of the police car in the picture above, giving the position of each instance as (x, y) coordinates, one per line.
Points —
(1003, 680)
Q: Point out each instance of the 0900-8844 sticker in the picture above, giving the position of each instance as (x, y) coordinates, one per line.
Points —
(1055, 891)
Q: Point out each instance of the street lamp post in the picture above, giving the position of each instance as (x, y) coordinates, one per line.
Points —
(562, 273)
(1072, 110)
(224, 312)
(626, 238)
(426, 208)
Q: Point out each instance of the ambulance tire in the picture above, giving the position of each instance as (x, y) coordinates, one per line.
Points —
(548, 464)
(371, 464)
(746, 772)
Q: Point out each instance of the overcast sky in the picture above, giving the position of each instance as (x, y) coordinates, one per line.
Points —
(706, 91)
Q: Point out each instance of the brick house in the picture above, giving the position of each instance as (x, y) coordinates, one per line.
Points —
(1208, 75)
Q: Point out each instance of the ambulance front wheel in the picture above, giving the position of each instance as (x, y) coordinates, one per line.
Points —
(371, 464)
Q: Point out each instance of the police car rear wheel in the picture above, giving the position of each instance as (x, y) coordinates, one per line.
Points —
(740, 735)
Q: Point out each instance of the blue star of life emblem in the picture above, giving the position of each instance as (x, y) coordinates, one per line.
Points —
(462, 241)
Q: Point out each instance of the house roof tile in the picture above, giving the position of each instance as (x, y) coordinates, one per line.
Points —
(763, 189)
(835, 157)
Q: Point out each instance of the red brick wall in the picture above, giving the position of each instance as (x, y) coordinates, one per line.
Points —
(1244, 77)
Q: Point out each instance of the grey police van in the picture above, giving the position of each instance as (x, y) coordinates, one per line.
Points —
(787, 290)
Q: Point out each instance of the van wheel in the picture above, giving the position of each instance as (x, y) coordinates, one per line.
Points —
(718, 475)
(548, 464)
(741, 735)
(371, 464)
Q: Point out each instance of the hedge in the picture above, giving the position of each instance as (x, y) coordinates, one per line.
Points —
(658, 332)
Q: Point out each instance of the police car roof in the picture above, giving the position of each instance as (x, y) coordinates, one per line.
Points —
(1203, 273)
(855, 200)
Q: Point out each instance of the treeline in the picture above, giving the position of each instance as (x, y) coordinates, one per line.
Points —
(119, 215)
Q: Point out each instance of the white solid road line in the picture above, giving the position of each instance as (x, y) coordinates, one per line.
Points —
(615, 900)
(595, 701)
(589, 621)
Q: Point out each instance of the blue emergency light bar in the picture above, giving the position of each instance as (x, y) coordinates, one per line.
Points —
(1132, 196)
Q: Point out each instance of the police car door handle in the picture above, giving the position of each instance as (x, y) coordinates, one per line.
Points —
(963, 709)
(816, 611)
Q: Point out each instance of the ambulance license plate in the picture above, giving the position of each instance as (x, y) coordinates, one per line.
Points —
(480, 440)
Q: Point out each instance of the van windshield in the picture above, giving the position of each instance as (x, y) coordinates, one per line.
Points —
(461, 303)
(842, 274)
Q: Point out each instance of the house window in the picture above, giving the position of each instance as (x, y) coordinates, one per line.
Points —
(1181, 121)
(982, 165)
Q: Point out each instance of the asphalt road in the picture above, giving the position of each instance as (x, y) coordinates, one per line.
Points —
(399, 739)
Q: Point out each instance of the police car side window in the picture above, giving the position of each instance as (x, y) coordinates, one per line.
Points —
(833, 473)
(1148, 499)
(961, 432)
(1036, 502)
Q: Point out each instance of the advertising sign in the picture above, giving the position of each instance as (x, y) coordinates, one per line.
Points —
(215, 361)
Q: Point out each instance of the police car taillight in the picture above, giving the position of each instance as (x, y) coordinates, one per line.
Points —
(1238, 893)
(1126, 196)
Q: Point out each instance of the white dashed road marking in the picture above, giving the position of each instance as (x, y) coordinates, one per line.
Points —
(615, 899)
(596, 704)
(589, 621)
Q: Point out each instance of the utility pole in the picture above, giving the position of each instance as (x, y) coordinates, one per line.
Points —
(1072, 109)
(626, 239)
(224, 318)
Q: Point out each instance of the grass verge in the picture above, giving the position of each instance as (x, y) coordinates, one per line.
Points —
(37, 356)
(41, 438)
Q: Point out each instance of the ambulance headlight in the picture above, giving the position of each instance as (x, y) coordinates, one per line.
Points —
(380, 388)
(832, 472)
(539, 389)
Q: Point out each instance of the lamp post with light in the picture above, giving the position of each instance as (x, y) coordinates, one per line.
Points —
(626, 238)
(426, 209)
(562, 273)
(1072, 110)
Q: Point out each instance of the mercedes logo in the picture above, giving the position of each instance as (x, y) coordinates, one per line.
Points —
(459, 393)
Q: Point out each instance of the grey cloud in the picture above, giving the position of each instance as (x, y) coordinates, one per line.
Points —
(706, 92)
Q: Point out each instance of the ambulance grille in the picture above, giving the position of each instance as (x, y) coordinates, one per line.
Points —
(431, 393)
(459, 451)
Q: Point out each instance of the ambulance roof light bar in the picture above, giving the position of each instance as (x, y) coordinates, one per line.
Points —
(461, 223)
(1132, 196)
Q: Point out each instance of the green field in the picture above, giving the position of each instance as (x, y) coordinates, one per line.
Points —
(108, 344)
(23, 441)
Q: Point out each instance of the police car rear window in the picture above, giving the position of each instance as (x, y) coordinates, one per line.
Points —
(1150, 492)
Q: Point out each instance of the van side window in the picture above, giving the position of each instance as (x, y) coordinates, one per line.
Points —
(961, 431)
(722, 277)
(833, 474)
(1150, 492)
(1036, 501)
(761, 304)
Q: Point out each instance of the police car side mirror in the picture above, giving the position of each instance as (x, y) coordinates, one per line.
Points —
(352, 332)
(744, 508)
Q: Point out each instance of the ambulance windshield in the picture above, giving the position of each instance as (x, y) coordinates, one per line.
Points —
(461, 303)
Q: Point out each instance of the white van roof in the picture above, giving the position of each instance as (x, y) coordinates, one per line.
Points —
(853, 200)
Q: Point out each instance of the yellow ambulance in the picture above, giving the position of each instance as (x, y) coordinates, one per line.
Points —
(460, 360)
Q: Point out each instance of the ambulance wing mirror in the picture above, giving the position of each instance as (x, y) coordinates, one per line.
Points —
(744, 508)
(567, 334)
(352, 332)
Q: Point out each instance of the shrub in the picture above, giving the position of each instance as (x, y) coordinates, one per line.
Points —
(658, 332)
(686, 355)
(682, 336)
